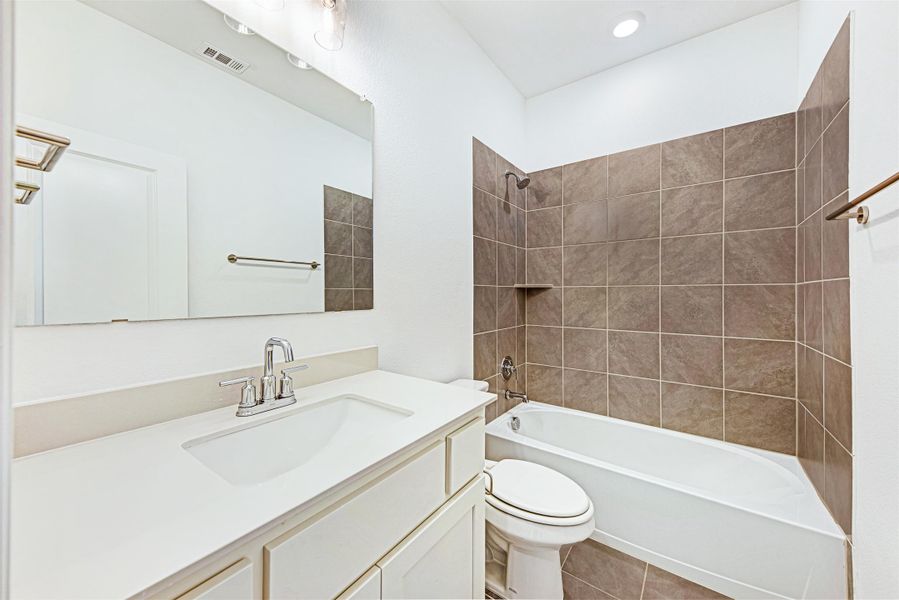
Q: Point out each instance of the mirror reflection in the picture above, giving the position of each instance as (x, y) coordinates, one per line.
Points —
(208, 173)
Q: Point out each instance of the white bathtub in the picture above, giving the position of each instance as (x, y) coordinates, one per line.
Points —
(744, 522)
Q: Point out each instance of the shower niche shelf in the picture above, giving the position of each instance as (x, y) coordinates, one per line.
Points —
(534, 286)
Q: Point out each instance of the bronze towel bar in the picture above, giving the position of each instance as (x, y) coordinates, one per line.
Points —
(861, 215)
(233, 258)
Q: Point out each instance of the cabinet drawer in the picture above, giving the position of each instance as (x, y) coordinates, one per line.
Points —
(322, 557)
(234, 583)
(464, 455)
(368, 587)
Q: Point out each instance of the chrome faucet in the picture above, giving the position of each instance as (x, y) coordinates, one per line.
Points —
(510, 395)
(270, 398)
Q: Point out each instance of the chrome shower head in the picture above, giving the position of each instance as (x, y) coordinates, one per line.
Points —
(520, 182)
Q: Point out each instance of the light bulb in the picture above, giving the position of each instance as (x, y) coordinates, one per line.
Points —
(628, 24)
(330, 36)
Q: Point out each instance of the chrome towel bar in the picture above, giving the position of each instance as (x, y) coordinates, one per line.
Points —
(56, 145)
(233, 258)
(861, 215)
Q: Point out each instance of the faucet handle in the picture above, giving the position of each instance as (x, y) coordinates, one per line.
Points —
(287, 382)
(248, 392)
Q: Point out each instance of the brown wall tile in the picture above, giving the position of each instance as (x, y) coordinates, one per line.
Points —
(338, 271)
(694, 159)
(813, 195)
(484, 308)
(635, 354)
(338, 205)
(760, 201)
(835, 75)
(761, 146)
(586, 223)
(585, 264)
(760, 421)
(506, 222)
(544, 345)
(691, 309)
(544, 228)
(813, 311)
(634, 263)
(362, 242)
(584, 307)
(485, 355)
(544, 265)
(760, 256)
(363, 273)
(810, 448)
(484, 166)
(692, 359)
(585, 349)
(509, 302)
(691, 260)
(338, 238)
(835, 157)
(693, 209)
(836, 319)
(586, 180)
(363, 299)
(691, 409)
(585, 391)
(835, 243)
(634, 171)
(544, 384)
(760, 311)
(811, 248)
(838, 401)
(810, 380)
(760, 366)
(545, 189)
(634, 308)
(634, 217)
(484, 262)
(634, 399)
(338, 299)
(838, 482)
(363, 211)
(507, 345)
(483, 214)
(506, 265)
(811, 106)
(544, 307)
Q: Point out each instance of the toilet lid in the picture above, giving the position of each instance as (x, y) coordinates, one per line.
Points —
(537, 489)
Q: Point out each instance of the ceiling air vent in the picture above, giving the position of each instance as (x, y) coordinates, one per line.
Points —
(222, 59)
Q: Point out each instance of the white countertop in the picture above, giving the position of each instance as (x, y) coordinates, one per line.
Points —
(111, 517)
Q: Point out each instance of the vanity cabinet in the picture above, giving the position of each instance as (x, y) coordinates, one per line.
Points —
(414, 531)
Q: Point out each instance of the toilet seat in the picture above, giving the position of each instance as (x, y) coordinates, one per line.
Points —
(537, 494)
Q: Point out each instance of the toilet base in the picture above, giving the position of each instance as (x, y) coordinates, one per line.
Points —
(522, 572)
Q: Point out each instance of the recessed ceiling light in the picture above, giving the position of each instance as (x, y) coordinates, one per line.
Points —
(235, 25)
(628, 24)
(295, 61)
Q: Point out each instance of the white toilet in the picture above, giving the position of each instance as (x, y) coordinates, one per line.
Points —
(532, 511)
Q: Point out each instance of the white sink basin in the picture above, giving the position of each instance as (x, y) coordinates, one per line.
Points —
(261, 450)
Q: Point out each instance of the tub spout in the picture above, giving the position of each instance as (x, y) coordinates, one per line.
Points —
(510, 395)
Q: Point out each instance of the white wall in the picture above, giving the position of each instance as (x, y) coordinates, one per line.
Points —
(255, 163)
(739, 73)
(874, 273)
(433, 89)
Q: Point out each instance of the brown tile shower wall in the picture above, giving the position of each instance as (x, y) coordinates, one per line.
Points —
(674, 274)
(498, 217)
(349, 262)
(823, 348)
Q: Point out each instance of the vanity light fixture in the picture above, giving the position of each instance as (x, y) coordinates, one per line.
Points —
(628, 24)
(330, 36)
(295, 61)
(237, 26)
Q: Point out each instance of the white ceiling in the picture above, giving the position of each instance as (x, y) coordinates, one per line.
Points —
(544, 44)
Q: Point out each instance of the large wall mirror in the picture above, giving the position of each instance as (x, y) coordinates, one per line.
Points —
(208, 172)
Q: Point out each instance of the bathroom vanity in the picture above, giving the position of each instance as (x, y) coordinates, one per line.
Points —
(370, 486)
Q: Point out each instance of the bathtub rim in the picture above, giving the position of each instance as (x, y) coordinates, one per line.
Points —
(500, 428)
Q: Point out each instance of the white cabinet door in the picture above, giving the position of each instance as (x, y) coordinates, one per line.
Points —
(444, 557)
(234, 583)
(367, 587)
